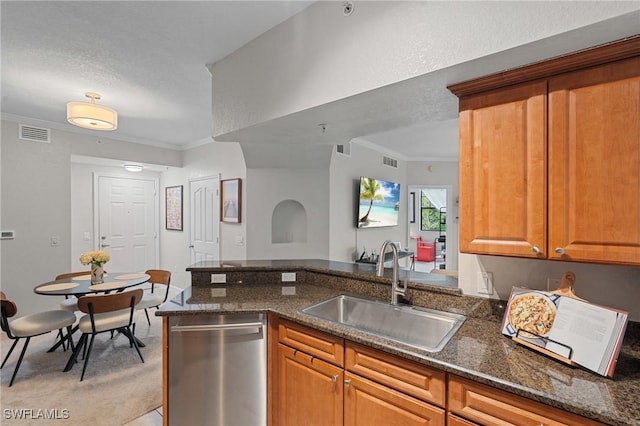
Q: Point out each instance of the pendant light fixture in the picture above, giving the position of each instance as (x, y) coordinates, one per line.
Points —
(91, 115)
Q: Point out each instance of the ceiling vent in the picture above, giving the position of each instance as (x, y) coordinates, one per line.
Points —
(35, 134)
(343, 149)
(391, 162)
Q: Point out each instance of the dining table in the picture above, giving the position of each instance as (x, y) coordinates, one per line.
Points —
(81, 285)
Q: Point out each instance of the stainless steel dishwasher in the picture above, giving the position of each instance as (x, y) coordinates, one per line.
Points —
(218, 370)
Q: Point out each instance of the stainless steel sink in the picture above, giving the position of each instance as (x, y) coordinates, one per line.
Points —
(421, 328)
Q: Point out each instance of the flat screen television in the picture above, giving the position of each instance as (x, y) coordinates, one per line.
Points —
(378, 203)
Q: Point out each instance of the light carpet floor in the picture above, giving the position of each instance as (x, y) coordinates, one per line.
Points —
(117, 386)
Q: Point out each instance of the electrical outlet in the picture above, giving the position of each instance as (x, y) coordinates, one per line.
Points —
(553, 283)
(218, 278)
(288, 277)
(219, 292)
(485, 282)
(288, 291)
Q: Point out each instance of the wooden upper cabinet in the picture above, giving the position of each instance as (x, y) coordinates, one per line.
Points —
(550, 158)
(503, 171)
(594, 164)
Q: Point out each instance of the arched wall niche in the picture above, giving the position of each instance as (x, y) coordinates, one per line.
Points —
(289, 223)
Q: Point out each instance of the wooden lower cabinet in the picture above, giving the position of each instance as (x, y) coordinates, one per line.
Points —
(489, 406)
(369, 403)
(377, 388)
(310, 391)
(314, 388)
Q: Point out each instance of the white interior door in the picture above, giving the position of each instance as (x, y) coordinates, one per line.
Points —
(127, 222)
(205, 218)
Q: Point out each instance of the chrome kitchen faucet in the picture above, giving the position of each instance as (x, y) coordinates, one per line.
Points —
(396, 290)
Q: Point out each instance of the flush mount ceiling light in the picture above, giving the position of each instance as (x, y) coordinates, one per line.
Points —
(91, 115)
(132, 167)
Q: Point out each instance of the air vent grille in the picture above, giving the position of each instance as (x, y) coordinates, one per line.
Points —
(343, 149)
(391, 162)
(35, 134)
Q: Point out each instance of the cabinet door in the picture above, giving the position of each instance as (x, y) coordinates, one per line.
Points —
(367, 403)
(309, 390)
(503, 171)
(594, 164)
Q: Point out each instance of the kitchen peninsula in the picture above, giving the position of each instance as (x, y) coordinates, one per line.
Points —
(477, 360)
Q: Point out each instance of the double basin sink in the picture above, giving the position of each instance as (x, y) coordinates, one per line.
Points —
(421, 328)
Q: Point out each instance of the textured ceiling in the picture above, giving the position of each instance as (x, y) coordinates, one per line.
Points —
(147, 60)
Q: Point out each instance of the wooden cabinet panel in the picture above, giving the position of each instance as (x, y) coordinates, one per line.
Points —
(367, 403)
(310, 391)
(316, 343)
(594, 164)
(453, 420)
(489, 406)
(503, 171)
(403, 375)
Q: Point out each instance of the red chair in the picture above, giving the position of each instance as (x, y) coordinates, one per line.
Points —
(425, 250)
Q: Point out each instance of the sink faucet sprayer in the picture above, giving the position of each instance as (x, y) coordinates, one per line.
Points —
(395, 283)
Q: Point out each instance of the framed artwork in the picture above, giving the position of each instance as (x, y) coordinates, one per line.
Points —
(231, 200)
(173, 207)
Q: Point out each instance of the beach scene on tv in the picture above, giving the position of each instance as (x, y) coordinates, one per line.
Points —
(379, 203)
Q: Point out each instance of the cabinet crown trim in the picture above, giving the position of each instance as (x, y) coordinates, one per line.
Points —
(617, 50)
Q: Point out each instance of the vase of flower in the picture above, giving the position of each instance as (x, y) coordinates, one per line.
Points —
(96, 259)
(97, 273)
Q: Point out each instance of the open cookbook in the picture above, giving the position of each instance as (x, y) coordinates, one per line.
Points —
(573, 329)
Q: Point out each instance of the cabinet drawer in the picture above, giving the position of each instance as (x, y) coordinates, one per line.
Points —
(313, 342)
(403, 375)
(489, 406)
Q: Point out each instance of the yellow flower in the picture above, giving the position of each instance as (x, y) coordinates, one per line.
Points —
(97, 257)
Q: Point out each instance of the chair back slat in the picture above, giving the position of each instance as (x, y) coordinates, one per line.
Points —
(8, 306)
(101, 303)
(159, 276)
(71, 274)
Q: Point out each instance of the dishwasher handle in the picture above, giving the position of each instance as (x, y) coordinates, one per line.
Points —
(216, 327)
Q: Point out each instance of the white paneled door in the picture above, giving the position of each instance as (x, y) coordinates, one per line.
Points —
(127, 222)
(205, 217)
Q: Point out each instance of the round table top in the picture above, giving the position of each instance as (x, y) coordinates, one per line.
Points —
(77, 286)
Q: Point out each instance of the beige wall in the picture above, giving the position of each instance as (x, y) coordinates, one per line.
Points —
(36, 204)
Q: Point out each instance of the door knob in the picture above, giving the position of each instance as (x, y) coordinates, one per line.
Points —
(535, 250)
(105, 245)
(559, 250)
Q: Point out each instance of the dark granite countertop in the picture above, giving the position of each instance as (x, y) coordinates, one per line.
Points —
(477, 351)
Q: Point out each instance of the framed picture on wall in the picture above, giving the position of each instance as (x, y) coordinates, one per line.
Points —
(173, 207)
(231, 200)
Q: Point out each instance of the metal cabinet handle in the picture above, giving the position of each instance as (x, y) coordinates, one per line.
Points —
(334, 378)
(347, 382)
(535, 250)
(559, 250)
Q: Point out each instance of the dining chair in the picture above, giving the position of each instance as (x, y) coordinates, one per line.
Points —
(70, 303)
(31, 325)
(106, 312)
(160, 278)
